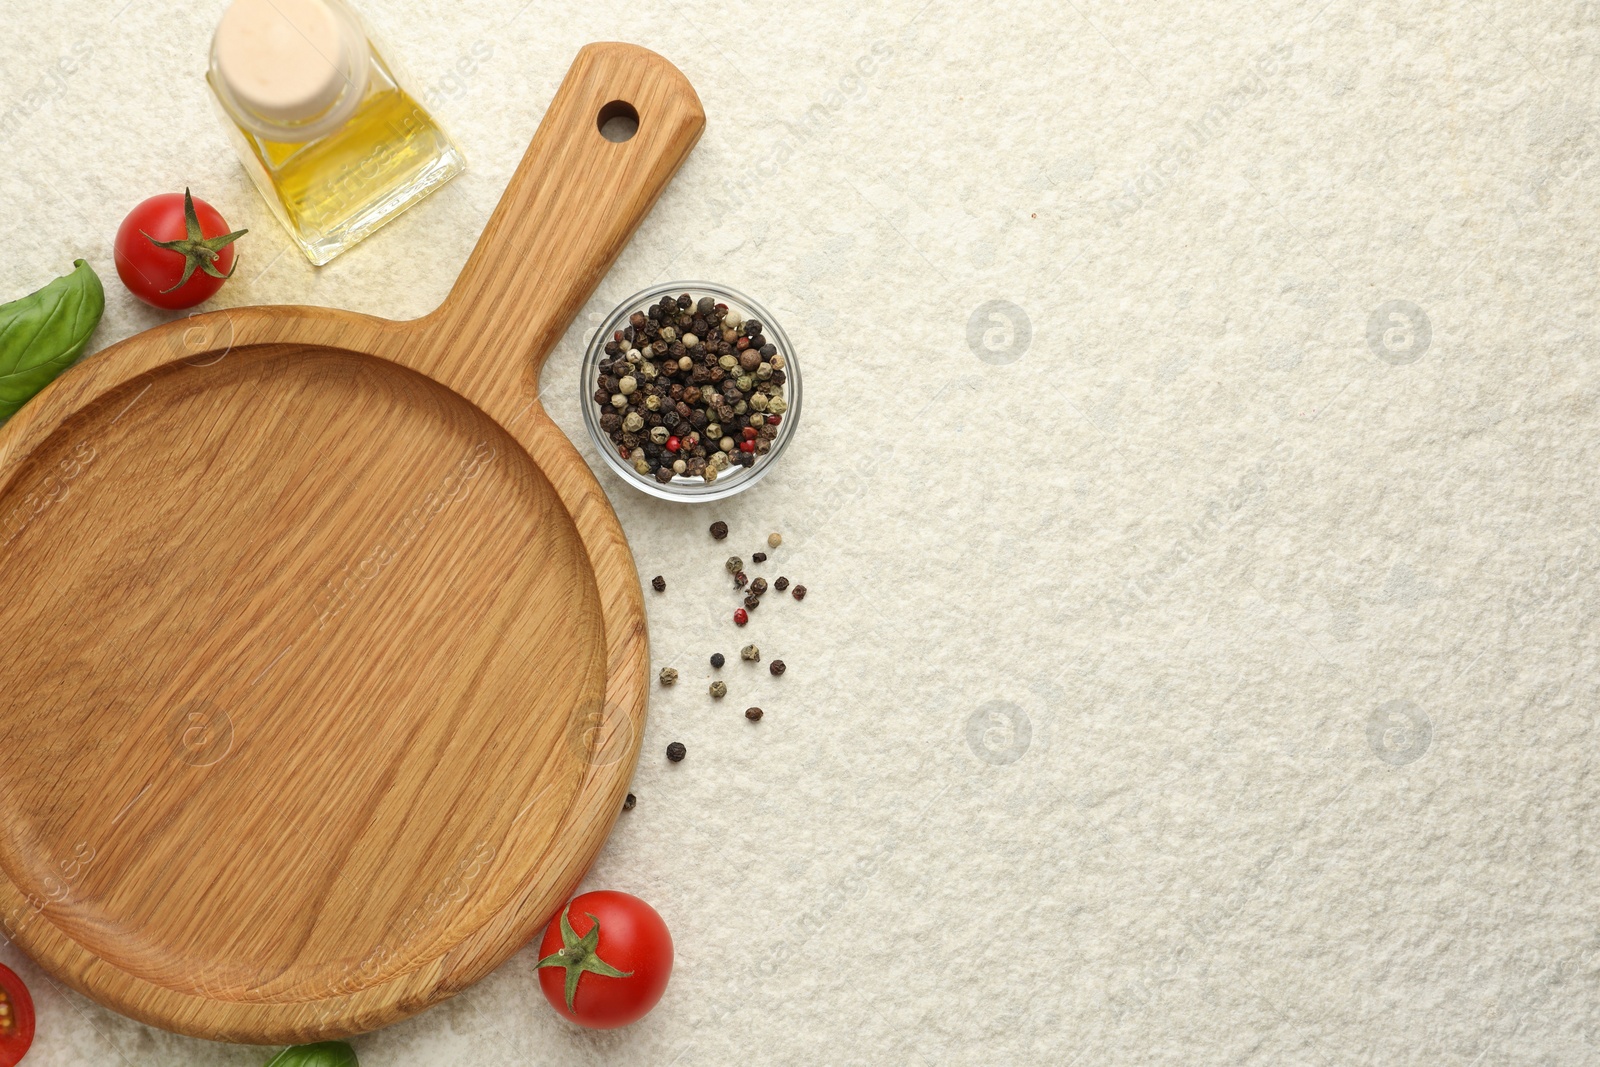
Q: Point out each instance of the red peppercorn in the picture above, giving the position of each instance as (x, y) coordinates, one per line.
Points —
(773, 420)
(749, 433)
(747, 446)
(741, 616)
(673, 444)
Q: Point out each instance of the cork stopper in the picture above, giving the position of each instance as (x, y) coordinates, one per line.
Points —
(285, 60)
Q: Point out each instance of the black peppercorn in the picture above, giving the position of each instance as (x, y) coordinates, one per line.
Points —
(717, 661)
(739, 579)
(799, 592)
(658, 583)
(752, 602)
(627, 805)
(781, 584)
(719, 530)
(758, 586)
(759, 557)
(676, 751)
(776, 667)
(753, 714)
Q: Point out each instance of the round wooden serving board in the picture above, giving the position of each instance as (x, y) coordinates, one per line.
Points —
(325, 664)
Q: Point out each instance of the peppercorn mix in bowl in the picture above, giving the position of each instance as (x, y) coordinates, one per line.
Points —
(690, 391)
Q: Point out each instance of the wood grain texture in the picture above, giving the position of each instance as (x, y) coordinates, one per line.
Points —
(327, 663)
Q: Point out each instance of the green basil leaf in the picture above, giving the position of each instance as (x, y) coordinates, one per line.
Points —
(322, 1054)
(41, 334)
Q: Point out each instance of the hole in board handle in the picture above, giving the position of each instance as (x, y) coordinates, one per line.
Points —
(618, 121)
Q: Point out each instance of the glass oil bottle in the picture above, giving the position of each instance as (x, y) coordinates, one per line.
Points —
(332, 140)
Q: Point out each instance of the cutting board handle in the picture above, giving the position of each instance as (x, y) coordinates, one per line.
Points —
(571, 206)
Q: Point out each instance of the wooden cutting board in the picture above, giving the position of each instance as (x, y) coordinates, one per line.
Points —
(326, 665)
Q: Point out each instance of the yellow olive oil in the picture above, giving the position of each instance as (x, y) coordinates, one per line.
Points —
(383, 154)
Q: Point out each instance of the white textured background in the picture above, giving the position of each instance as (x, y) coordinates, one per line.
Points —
(1200, 660)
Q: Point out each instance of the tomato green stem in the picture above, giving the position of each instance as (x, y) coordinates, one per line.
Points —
(577, 954)
(197, 250)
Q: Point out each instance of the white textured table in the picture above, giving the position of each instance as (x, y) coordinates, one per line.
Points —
(1196, 490)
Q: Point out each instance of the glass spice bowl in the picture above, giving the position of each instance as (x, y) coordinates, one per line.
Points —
(691, 489)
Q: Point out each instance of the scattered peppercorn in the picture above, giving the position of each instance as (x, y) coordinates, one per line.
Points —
(776, 667)
(752, 602)
(740, 616)
(781, 584)
(668, 676)
(734, 565)
(719, 689)
(758, 586)
(759, 557)
(740, 579)
(676, 751)
(658, 583)
(753, 714)
(799, 592)
(774, 540)
(717, 661)
(750, 654)
(627, 805)
(719, 530)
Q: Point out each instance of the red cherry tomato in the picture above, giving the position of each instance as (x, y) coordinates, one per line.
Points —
(16, 1018)
(174, 251)
(605, 959)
